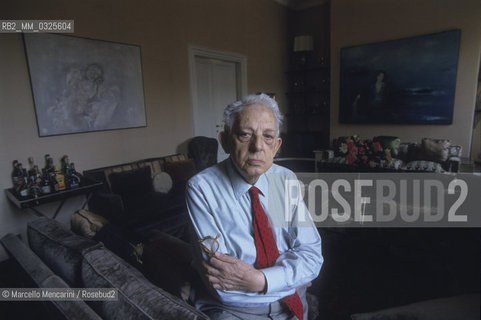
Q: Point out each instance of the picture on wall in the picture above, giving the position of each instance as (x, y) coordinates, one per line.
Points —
(405, 81)
(83, 85)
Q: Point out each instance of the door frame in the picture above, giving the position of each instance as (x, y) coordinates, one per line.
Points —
(241, 72)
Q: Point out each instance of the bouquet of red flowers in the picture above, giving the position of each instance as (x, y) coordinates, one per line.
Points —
(361, 152)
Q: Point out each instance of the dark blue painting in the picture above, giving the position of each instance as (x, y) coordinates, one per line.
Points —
(406, 81)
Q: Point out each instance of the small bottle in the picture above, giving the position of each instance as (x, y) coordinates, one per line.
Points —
(65, 165)
(49, 168)
(37, 175)
(17, 174)
(31, 164)
(34, 188)
(23, 188)
(60, 179)
(75, 178)
(46, 185)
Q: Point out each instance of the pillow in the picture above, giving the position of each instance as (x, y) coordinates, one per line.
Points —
(404, 151)
(180, 172)
(435, 149)
(389, 142)
(138, 298)
(86, 223)
(133, 182)
(59, 248)
(162, 182)
(167, 263)
(117, 241)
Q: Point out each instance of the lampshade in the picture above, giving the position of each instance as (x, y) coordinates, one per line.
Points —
(303, 43)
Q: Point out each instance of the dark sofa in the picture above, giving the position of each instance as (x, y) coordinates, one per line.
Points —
(404, 273)
(59, 258)
(35, 273)
(144, 195)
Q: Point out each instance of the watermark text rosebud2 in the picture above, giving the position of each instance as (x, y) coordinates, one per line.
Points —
(391, 200)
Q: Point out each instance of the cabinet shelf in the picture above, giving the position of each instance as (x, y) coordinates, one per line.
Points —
(308, 95)
(304, 92)
(308, 69)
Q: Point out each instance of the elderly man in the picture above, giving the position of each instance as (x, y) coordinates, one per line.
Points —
(261, 249)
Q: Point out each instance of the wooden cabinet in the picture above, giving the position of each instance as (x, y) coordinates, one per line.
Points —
(307, 81)
(308, 110)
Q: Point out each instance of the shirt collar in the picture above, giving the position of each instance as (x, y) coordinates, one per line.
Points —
(240, 186)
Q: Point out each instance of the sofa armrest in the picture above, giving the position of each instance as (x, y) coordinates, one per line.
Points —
(108, 205)
(26, 259)
(43, 277)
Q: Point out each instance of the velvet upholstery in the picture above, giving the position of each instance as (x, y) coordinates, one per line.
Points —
(26, 259)
(129, 200)
(64, 309)
(132, 183)
(180, 172)
(167, 262)
(59, 248)
(137, 297)
(93, 266)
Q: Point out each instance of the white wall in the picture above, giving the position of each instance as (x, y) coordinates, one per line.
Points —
(164, 30)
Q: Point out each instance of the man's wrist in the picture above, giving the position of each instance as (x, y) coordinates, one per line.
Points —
(264, 290)
(261, 283)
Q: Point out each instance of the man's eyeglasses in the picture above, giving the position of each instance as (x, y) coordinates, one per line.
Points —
(212, 245)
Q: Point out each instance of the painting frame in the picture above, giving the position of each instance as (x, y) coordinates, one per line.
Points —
(404, 81)
(84, 85)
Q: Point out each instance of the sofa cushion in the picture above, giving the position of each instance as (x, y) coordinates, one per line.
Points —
(131, 183)
(118, 241)
(17, 250)
(59, 248)
(180, 172)
(86, 223)
(435, 149)
(146, 206)
(137, 297)
(64, 308)
(167, 262)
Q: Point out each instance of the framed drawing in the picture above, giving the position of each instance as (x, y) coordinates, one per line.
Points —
(83, 85)
(408, 81)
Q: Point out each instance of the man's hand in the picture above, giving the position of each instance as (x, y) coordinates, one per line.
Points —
(228, 273)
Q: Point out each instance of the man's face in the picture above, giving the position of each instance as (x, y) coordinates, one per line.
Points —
(252, 143)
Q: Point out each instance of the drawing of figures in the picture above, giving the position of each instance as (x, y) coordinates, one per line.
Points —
(86, 103)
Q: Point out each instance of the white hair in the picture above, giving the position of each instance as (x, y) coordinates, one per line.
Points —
(231, 111)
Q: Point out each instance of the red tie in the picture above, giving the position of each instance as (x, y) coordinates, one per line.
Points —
(266, 248)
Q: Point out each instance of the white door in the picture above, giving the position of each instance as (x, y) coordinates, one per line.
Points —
(216, 82)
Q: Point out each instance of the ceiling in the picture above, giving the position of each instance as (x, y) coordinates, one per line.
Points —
(300, 4)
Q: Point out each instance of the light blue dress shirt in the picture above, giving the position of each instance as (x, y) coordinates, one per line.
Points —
(218, 202)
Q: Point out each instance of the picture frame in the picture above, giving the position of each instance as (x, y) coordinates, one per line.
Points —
(84, 85)
(404, 81)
